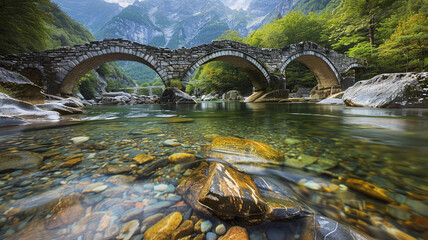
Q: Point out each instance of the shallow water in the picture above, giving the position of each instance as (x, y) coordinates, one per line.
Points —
(384, 147)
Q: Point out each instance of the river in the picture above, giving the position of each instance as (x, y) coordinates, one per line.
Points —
(385, 148)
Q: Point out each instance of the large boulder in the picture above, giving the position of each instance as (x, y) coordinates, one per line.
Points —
(233, 95)
(175, 95)
(389, 91)
(232, 195)
(22, 88)
(14, 108)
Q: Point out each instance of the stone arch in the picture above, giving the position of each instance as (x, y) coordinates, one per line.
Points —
(259, 75)
(352, 66)
(80, 66)
(324, 70)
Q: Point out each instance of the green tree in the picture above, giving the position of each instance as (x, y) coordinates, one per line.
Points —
(410, 40)
(231, 35)
(222, 77)
(293, 28)
(24, 25)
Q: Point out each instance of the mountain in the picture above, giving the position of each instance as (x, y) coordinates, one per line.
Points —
(92, 14)
(281, 9)
(174, 23)
(261, 8)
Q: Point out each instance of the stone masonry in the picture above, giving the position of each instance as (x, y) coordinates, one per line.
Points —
(60, 69)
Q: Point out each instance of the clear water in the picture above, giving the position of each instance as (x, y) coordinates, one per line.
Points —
(384, 147)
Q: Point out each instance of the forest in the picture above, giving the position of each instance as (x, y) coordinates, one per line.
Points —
(390, 35)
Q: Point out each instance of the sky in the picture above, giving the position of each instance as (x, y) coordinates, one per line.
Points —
(234, 4)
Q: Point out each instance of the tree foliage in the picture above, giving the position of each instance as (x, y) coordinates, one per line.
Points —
(24, 25)
(222, 77)
(409, 41)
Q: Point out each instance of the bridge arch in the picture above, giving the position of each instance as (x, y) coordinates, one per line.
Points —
(258, 74)
(78, 67)
(324, 70)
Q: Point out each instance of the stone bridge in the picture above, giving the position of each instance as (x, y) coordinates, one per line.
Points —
(59, 70)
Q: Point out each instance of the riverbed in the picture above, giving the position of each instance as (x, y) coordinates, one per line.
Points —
(362, 167)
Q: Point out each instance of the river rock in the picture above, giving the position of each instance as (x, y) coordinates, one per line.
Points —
(332, 101)
(230, 194)
(235, 232)
(186, 228)
(206, 226)
(171, 143)
(60, 108)
(128, 230)
(368, 189)
(220, 229)
(15, 108)
(113, 169)
(120, 179)
(233, 95)
(174, 95)
(181, 157)
(22, 88)
(20, 160)
(279, 207)
(66, 216)
(117, 94)
(143, 158)
(72, 102)
(71, 162)
(390, 90)
(191, 186)
(164, 229)
(236, 150)
(151, 167)
(79, 140)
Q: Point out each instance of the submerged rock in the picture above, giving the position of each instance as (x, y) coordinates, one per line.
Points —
(236, 150)
(174, 95)
(164, 229)
(368, 189)
(230, 194)
(20, 160)
(390, 90)
(181, 157)
(235, 232)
